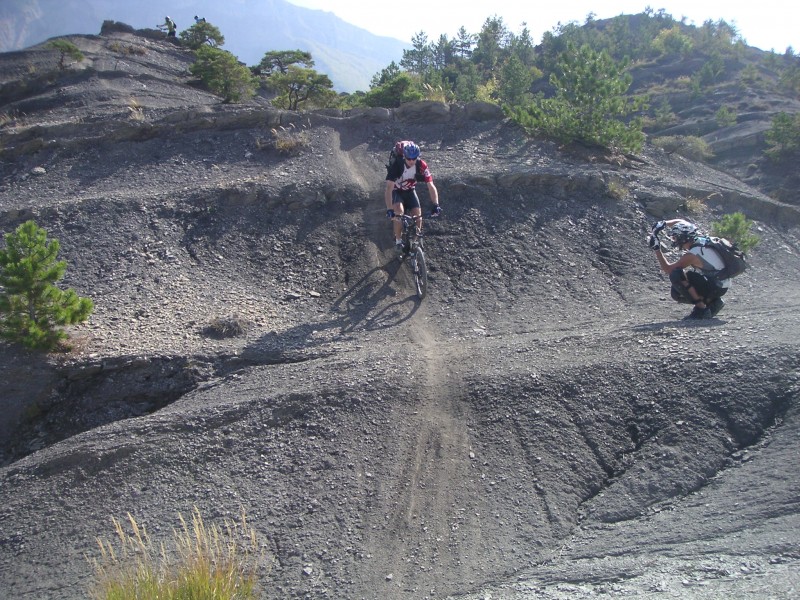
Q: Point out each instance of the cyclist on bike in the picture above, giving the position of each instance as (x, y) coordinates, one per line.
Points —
(401, 194)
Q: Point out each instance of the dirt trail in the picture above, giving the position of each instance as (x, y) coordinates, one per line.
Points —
(428, 518)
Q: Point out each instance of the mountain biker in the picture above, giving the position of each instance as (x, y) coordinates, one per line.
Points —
(692, 275)
(401, 195)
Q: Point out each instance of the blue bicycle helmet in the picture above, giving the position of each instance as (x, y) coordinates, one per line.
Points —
(411, 151)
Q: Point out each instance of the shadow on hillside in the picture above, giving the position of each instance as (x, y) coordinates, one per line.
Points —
(30, 382)
(679, 323)
(376, 302)
(211, 150)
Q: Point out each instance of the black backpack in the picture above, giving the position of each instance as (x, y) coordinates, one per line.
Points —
(396, 155)
(734, 259)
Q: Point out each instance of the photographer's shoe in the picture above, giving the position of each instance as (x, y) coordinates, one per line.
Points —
(698, 314)
(716, 306)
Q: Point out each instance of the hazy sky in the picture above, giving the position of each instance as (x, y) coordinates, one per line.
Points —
(765, 24)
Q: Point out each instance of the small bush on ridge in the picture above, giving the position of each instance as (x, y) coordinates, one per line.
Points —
(688, 146)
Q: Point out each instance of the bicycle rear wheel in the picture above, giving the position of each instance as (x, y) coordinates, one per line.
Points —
(420, 270)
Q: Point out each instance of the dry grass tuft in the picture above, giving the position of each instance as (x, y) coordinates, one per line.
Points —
(136, 110)
(289, 140)
(11, 119)
(617, 189)
(127, 50)
(695, 206)
(226, 327)
(206, 563)
(689, 146)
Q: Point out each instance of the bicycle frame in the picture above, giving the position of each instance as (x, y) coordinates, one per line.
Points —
(412, 233)
(412, 247)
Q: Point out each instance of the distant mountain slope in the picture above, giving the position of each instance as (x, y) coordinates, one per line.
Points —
(350, 56)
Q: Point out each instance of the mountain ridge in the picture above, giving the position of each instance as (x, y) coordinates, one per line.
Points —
(350, 56)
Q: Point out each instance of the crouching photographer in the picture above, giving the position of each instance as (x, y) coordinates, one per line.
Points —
(694, 274)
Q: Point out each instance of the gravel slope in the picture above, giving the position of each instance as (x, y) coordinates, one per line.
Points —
(542, 425)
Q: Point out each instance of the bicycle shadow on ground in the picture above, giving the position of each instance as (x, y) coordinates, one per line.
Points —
(376, 302)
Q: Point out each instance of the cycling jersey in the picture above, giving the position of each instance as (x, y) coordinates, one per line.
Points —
(405, 177)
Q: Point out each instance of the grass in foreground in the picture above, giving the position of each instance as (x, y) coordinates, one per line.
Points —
(208, 563)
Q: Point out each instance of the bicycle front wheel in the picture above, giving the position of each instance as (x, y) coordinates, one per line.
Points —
(420, 273)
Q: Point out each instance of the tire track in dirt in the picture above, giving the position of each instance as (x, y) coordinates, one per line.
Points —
(427, 519)
(427, 514)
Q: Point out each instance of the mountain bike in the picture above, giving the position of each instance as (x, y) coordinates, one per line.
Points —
(412, 249)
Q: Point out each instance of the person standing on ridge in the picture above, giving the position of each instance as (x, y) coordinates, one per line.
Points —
(170, 26)
(401, 181)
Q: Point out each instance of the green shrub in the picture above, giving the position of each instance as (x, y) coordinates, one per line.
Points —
(391, 94)
(736, 228)
(671, 42)
(725, 116)
(663, 115)
(590, 104)
(223, 74)
(749, 75)
(31, 306)
(790, 76)
(783, 136)
(709, 74)
(66, 48)
(210, 563)
(688, 146)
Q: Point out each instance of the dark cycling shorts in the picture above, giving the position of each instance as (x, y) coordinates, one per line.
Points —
(705, 287)
(409, 198)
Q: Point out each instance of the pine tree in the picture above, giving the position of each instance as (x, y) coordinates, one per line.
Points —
(515, 81)
(202, 33)
(223, 74)
(31, 306)
(590, 102)
(420, 58)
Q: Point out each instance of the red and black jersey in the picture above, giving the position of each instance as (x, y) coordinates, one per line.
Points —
(405, 178)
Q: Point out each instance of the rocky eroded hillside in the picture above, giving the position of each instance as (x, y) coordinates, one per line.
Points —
(542, 425)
